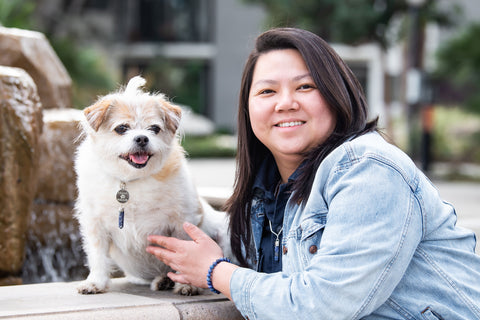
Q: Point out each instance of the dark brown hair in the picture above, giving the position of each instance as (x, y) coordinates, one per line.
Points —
(342, 93)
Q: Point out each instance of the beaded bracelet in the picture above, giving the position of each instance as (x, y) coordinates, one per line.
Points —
(209, 274)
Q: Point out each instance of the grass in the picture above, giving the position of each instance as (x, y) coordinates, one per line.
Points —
(211, 146)
(456, 135)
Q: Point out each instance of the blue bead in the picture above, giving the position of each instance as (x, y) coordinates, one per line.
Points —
(209, 274)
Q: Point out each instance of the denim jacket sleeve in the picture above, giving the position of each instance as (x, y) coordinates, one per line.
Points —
(372, 228)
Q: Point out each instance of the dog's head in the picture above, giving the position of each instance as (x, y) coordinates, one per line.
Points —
(132, 129)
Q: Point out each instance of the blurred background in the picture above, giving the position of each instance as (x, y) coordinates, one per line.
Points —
(418, 60)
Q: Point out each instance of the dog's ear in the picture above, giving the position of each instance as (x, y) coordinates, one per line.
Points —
(97, 113)
(174, 114)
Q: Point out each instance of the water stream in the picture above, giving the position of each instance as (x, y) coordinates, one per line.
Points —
(54, 248)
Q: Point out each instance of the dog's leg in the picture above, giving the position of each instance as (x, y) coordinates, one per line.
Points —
(161, 283)
(96, 248)
(186, 289)
(165, 283)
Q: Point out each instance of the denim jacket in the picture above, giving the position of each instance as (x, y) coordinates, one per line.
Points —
(373, 241)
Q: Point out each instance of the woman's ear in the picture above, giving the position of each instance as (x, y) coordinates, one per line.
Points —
(96, 114)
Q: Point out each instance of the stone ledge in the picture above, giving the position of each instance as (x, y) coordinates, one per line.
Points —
(60, 300)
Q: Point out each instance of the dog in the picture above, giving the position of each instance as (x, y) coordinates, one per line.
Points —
(133, 181)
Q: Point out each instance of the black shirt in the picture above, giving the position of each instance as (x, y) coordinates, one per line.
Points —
(275, 199)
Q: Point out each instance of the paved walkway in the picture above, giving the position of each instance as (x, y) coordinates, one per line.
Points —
(216, 176)
(124, 301)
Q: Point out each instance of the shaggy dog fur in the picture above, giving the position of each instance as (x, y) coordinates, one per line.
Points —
(130, 152)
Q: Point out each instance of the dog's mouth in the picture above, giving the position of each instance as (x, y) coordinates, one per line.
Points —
(137, 159)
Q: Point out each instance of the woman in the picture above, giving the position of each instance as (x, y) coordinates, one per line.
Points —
(335, 222)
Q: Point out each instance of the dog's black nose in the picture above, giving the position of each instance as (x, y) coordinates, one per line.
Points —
(141, 141)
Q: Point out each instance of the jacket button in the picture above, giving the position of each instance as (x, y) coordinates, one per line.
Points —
(285, 250)
(312, 249)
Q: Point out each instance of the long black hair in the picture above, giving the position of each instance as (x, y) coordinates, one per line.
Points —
(342, 93)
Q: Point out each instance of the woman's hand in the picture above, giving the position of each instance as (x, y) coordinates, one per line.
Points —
(191, 259)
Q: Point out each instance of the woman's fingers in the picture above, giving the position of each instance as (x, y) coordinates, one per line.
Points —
(177, 277)
(194, 232)
(164, 242)
(191, 259)
(162, 254)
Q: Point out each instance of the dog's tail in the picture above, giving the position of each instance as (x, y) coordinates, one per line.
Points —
(134, 85)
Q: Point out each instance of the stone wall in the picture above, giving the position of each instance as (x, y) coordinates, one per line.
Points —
(37, 181)
(31, 51)
(54, 248)
(20, 128)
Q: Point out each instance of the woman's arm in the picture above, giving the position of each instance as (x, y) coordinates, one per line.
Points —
(373, 228)
(192, 259)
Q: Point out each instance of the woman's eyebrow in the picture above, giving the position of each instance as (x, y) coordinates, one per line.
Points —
(271, 81)
(264, 81)
(302, 76)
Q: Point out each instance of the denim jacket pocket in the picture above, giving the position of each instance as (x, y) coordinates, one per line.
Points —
(429, 314)
(310, 232)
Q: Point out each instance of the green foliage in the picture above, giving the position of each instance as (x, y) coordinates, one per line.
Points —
(16, 13)
(212, 146)
(86, 68)
(179, 80)
(459, 63)
(455, 135)
(346, 21)
(349, 21)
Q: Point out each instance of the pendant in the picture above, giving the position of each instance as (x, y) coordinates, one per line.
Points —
(122, 197)
(276, 250)
(121, 214)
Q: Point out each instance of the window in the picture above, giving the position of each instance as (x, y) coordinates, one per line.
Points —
(166, 20)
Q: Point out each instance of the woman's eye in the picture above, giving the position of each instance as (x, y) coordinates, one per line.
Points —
(306, 86)
(121, 129)
(266, 91)
(155, 129)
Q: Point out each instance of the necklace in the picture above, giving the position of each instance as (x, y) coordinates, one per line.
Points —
(122, 198)
(277, 241)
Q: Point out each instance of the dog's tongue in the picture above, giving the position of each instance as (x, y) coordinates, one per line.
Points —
(139, 158)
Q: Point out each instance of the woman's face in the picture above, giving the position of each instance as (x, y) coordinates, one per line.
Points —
(287, 113)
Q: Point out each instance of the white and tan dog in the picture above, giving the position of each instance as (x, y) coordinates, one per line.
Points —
(133, 181)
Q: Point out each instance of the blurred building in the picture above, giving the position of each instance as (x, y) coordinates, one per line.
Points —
(194, 50)
(191, 50)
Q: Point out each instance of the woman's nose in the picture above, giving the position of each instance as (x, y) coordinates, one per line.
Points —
(286, 102)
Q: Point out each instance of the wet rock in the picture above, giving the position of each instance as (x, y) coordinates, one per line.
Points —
(20, 127)
(56, 181)
(32, 52)
(53, 250)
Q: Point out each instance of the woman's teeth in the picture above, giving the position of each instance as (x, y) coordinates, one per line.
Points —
(289, 124)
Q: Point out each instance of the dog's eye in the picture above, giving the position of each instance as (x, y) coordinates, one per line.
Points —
(156, 129)
(121, 129)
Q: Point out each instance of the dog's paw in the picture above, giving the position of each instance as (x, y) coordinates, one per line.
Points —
(88, 287)
(161, 283)
(186, 289)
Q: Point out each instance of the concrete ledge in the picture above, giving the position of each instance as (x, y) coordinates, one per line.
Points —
(60, 300)
(215, 196)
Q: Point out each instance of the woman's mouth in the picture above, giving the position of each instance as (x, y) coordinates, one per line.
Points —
(289, 124)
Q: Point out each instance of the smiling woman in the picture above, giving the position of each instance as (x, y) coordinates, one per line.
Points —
(287, 112)
(326, 215)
